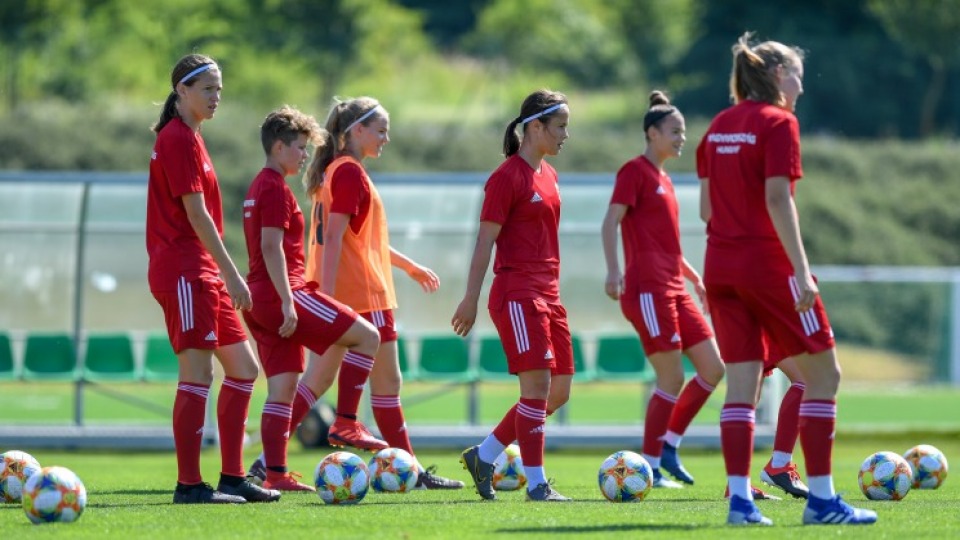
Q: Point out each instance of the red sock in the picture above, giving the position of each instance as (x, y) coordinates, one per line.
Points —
(189, 408)
(736, 437)
(691, 400)
(232, 406)
(659, 410)
(302, 404)
(818, 421)
(530, 417)
(788, 420)
(354, 372)
(388, 413)
(506, 430)
(275, 433)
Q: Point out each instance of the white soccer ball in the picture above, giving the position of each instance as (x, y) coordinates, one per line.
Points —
(393, 470)
(625, 477)
(17, 468)
(508, 473)
(885, 476)
(54, 494)
(928, 465)
(342, 478)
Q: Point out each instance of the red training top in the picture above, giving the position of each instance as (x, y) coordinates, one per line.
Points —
(179, 165)
(650, 228)
(526, 203)
(745, 145)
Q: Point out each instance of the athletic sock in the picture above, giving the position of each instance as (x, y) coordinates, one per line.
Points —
(788, 423)
(490, 448)
(689, 403)
(302, 403)
(655, 423)
(736, 438)
(530, 417)
(233, 404)
(354, 372)
(388, 414)
(189, 409)
(818, 419)
(275, 434)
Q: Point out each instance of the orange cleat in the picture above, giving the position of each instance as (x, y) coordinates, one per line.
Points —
(346, 432)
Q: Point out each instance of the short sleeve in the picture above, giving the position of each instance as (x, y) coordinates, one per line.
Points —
(183, 164)
(782, 149)
(498, 199)
(703, 158)
(625, 188)
(274, 208)
(348, 190)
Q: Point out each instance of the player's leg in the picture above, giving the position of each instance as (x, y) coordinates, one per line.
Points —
(668, 367)
(781, 471)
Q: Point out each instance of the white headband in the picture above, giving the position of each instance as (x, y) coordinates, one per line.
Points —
(366, 115)
(548, 110)
(197, 71)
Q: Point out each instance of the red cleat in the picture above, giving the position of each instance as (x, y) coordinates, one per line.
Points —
(345, 432)
(289, 481)
(758, 494)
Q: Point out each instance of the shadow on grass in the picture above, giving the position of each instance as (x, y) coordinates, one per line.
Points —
(134, 492)
(598, 528)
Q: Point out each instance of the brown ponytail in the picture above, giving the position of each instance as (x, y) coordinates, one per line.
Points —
(660, 108)
(753, 75)
(333, 139)
(183, 67)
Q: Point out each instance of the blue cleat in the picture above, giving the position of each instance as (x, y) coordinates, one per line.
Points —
(835, 512)
(670, 462)
(744, 512)
(661, 481)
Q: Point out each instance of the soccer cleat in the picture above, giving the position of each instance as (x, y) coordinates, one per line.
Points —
(670, 462)
(346, 432)
(744, 512)
(785, 478)
(249, 491)
(835, 511)
(661, 481)
(428, 479)
(257, 472)
(203, 493)
(289, 481)
(758, 494)
(545, 493)
(480, 471)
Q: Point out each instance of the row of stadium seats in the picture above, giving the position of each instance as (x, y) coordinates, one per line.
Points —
(428, 358)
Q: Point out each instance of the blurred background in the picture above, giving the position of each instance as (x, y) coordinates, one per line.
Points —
(81, 81)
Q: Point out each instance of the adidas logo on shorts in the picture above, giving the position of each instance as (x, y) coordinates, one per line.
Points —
(536, 197)
(211, 336)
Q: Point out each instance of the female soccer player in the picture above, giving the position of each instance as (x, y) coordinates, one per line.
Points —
(521, 215)
(757, 276)
(199, 288)
(351, 257)
(288, 313)
(651, 291)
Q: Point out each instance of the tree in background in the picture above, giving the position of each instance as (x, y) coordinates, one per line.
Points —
(929, 29)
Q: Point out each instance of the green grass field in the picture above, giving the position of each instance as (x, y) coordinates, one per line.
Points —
(130, 496)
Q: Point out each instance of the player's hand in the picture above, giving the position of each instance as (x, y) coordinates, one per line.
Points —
(289, 319)
(702, 295)
(239, 292)
(464, 317)
(614, 285)
(807, 293)
(427, 279)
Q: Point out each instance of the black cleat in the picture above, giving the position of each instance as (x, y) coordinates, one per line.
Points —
(257, 472)
(249, 491)
(203, 493)
(545, 492)
(480, 471)
(428, 479)
(785, 478)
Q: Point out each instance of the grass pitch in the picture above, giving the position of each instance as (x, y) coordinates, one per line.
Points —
(130, 497)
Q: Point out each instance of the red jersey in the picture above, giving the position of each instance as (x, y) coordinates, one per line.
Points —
(271, 203)
(351, 194)
(179, 165)
(650, 228)
(526, 204)
(745, 145)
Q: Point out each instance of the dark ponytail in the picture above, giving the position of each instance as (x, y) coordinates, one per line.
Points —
(535, 103)
(183, 67)
(660, 108)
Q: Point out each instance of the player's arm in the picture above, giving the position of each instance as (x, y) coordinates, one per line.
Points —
(691, 275)
(608, 234)
(336, 226)
(466, 314)
(705, 208)
(206, 231)
(271, 245)
(783, 214)
(428, 280)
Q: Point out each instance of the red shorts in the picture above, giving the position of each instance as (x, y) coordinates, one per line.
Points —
(200, 315)
(383, 321)
(773, 355)
(535, 335)
(321, 321)
(665, 322)
(742, 316)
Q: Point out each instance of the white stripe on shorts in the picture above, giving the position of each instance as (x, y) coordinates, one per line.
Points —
(185, 302)
(315, 306)
(808, 318)
(519, 327)
(649, 311)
